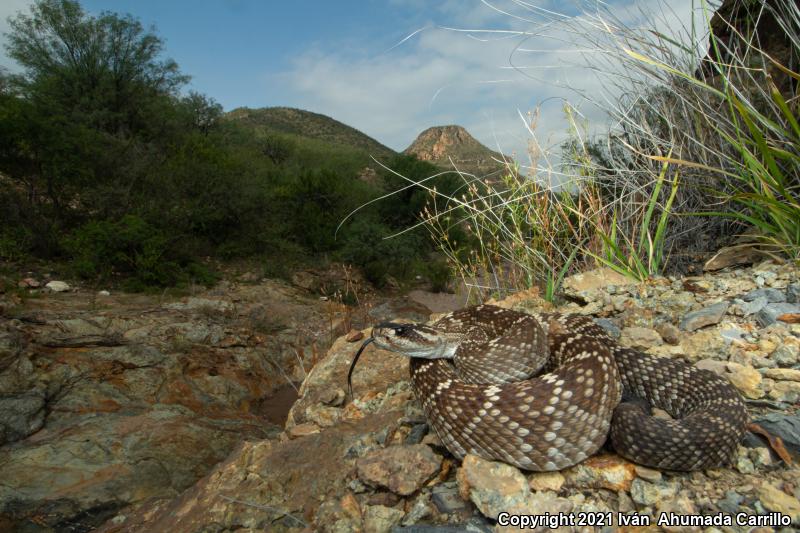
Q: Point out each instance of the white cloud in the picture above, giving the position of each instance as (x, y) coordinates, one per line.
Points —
(443, 76)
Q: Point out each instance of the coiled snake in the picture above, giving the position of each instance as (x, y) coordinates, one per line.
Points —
(475, 373)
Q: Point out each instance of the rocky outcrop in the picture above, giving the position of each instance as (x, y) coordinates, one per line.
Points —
(372, 464)
(445, 146)
(111, 400)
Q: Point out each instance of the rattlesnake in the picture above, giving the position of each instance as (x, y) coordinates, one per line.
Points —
(472, 372)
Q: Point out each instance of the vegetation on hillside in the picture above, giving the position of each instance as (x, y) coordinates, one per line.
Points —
(106, 164)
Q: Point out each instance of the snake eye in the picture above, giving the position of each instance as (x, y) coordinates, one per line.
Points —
(399, 331)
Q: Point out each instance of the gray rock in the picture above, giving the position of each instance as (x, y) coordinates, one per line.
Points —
(770, 313)
(611, 329)
(446, 498)
(793, 293)
(21, 415)
(785, 355)
(754, 306)
(771, 295)
(474, 525)
(646, 493)
(704, 317)
(417, 433)
(731, 502)
(787, 427)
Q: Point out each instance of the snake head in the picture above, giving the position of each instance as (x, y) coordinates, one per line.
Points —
(414, 340)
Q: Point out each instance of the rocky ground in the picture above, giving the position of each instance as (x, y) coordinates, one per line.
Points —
(372, 464)
(110, 399)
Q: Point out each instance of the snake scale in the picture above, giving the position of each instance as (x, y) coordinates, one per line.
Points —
(543, 392)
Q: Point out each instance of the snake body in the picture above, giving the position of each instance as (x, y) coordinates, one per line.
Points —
(543, 391)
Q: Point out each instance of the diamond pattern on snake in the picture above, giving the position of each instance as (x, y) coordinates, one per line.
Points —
(546, 391)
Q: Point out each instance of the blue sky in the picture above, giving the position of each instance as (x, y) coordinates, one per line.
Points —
(345, 59)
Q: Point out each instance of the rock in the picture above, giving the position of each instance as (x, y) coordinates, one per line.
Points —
(786, 354)
(669, 333)
(205, 305)
(546, 481)
(754, 306)
(785, 426)
(647, 474)
(650, 494)
(593, 280)
(103, 293)
(381, 519)
(743, 462)
(401, 469)
(354, 336)
(793, 293)
(474, 525)
(760, 457)
(420, 509)
(28, 283)
(492, 486)
(611, 329)
(302, 430)
(640, 338)
(604, 471)
(771, 295)
(747, 379)
(770, 313)
(718, 367)
(731, 502)
(704, 317)
(778, 501)
(446, 498)
(785, 391)
(703, 344)
(496, 487)
(57, 286)
(417, 433)
(784, 374)
(680, 506)
(21, 415)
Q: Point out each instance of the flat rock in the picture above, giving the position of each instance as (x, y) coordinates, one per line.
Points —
(401, 469)
(785, 426)
(707, 316)
(771, 295)
(640, 338)
(778, 501)
(784, 374)
(770, 313)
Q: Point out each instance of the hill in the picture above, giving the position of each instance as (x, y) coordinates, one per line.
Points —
(444, 146)
(288, 120)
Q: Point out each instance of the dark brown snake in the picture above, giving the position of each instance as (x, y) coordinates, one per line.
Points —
(543, 391)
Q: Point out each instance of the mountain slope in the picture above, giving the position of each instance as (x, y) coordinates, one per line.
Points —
(293, 121)
(447, 145)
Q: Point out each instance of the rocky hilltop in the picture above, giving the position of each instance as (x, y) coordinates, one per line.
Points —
(373, 465)
(446, 146)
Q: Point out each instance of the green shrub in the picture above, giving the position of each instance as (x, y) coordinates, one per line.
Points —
(133, 248)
